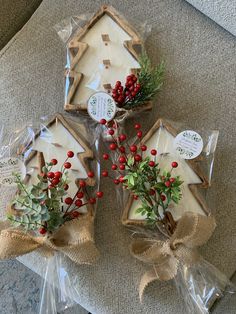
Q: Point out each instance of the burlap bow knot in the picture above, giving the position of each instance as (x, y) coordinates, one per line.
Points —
(192, 231)
(74, 239)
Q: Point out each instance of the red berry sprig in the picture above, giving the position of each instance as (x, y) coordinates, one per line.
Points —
(122, 94)
(56, 181)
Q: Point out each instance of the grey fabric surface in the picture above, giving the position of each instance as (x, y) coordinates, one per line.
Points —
(13, 15)
(20, 288)
(199, 87)
(222, 12)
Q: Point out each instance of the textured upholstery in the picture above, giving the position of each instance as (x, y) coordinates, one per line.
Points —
(199, 89)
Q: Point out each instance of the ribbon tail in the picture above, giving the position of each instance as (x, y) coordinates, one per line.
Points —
(146, 279)
(16, 243)
(164, 272)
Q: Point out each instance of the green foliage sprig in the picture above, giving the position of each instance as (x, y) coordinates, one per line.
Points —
(155, 188)
(44, 206)
(142, 87)
(140, 173)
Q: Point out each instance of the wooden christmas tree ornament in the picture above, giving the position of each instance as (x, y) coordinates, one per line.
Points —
(54, 141)
(161, 136)
(102, 52)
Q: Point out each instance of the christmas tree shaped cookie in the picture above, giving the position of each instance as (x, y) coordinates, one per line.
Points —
(161, 136)
(54, 141)
(104, 51)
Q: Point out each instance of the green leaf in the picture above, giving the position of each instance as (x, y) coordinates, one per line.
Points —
(139, 210)
(130, 161)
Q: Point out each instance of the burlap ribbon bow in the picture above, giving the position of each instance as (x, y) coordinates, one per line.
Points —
(74, 239)
(192, 231)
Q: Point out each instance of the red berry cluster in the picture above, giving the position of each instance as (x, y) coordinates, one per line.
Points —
(132, 88)
(123, 149)
(81, 197)
(136, 151)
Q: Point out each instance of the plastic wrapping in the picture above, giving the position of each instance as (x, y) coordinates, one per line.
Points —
(201, 285)
(168, 238)
(101, 50)
(57, 221)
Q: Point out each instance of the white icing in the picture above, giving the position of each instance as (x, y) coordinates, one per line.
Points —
(91, 63)
(57, 133)
(163, 141)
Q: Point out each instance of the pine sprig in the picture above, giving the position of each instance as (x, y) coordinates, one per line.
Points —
(149, 184)
(139, 88)
(150, 79)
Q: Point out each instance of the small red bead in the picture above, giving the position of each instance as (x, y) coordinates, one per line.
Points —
(113, 146)
(50, 175)
(92, 200)
(120, 99)
(135, 197)
(80, 194)
(70, 154)
(139, 134)
(90, 174)
(116, 181)
(151, 163)
(99, 194)
(118, 83)
(153, 152)
(137, 126)
(143, 148)
(167, 183)
(75, 214)
(51, 186)
(78, 203)
(133, 148)
(122, 137)
(122, 159)
(163, 198)
(105, 156)
(133, 94)
(105, 173)
(103, 121)
(114, 167)
(55, 181)
(54, 161)
(68, 200)
(122, 149)
(67, 165)
(137, 157)
(58, 174)
(42, 230)
(122, 167)
(66, 187)
(174, 164)
(152, 192)
(111, 132)
(172, 180)
(121, 179)
(82, 183)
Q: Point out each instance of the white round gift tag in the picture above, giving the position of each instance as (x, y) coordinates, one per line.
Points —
(101, 106)
(8, 166)
(188, 144)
